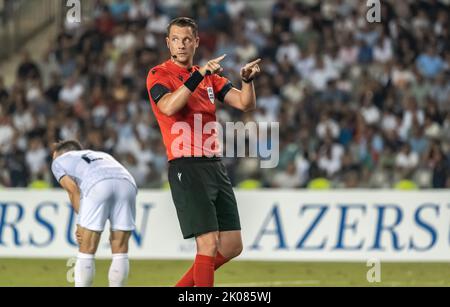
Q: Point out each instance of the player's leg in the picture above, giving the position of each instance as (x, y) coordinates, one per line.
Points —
(85, 264)
(230, 246)
(92, 218)
(120, 265)
(122, 218)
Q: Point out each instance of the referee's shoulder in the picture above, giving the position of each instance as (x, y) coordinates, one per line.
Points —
(157, 71)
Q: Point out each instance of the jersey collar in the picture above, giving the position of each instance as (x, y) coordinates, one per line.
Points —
(178, 69)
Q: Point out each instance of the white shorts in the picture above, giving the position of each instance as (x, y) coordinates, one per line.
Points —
(113, 200)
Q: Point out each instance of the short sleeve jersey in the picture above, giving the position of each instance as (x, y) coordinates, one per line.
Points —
(192, 130)
(87, 167)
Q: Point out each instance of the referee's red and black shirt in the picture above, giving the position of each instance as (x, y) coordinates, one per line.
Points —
(168, 77)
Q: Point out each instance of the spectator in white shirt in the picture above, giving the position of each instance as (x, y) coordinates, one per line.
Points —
(288, 50)
(158, 23)
(389, 121)
(124, 40)
(235, 8)
(383, 51)
(71, 92)
(6, 134)
(326, 126)
(36, 157)
(321, 74)
(287, 179)
(406, 160)
(411, 115)
(330, 157)
(369, 111)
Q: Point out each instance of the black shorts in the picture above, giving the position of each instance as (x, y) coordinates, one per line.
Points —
(203, 196)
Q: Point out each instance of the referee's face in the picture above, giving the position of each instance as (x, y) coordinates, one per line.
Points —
(182, 43)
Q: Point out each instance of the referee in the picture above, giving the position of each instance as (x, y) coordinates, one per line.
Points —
(201, 190)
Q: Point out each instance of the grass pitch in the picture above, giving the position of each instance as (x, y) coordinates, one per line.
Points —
(155, 273)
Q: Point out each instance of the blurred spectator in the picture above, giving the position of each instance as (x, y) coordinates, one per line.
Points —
(27, 69)
(119, 9)
(440, 166)
(430, 64)
(369, 111)
(327, 126)
(287, 179)
(140, 9)
(3, 92)
(440, 91)
(235, 8)
(71, 91)
(330, 157)
(5, 180)
(412, 115)
(18, 169)
(245, 50)
(383, 51)
(417, 141)
(139, 171)
(406, 160)
(36, 158)
(288, 50)
(158, 23)
(321, 74)
(124, 39)
(6, 134)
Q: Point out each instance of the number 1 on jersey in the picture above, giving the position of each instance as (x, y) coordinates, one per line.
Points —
(89, 160)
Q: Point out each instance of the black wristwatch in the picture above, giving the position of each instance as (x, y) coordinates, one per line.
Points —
(248, 80)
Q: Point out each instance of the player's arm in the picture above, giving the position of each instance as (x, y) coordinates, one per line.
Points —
(244, 99)
(170, 103)
(72, 189)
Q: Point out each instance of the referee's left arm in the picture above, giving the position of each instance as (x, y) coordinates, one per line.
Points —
(245, 99)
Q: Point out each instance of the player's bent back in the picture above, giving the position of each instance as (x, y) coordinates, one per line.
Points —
(87, 167)
(101, 189)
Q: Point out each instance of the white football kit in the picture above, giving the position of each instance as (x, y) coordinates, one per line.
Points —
(107, 189)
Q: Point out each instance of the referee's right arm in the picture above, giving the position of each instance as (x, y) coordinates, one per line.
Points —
(170, 103)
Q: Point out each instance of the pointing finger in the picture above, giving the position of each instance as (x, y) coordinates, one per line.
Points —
(217, 60)
(253, 63)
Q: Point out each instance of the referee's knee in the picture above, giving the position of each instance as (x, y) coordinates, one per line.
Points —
(233, 250)
(208, 244)
(237, 250)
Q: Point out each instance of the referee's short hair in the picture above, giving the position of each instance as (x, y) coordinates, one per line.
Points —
(65, 146)
(183, 22)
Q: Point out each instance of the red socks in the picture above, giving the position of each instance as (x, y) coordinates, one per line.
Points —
(187, 280)
(204, 271)
(220, 260)
(201, 274)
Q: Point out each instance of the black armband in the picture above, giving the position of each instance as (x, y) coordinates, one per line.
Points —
(158, 91)
(224, 91)
(195, 79)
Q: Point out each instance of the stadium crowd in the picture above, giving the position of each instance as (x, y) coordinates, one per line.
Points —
(361, 105)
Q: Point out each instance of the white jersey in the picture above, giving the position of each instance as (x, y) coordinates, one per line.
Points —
(87, 167)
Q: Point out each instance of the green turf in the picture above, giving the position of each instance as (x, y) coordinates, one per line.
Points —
(32, 272)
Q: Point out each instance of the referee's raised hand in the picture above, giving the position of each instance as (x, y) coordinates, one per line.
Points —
(250, 71)
(213, 66)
